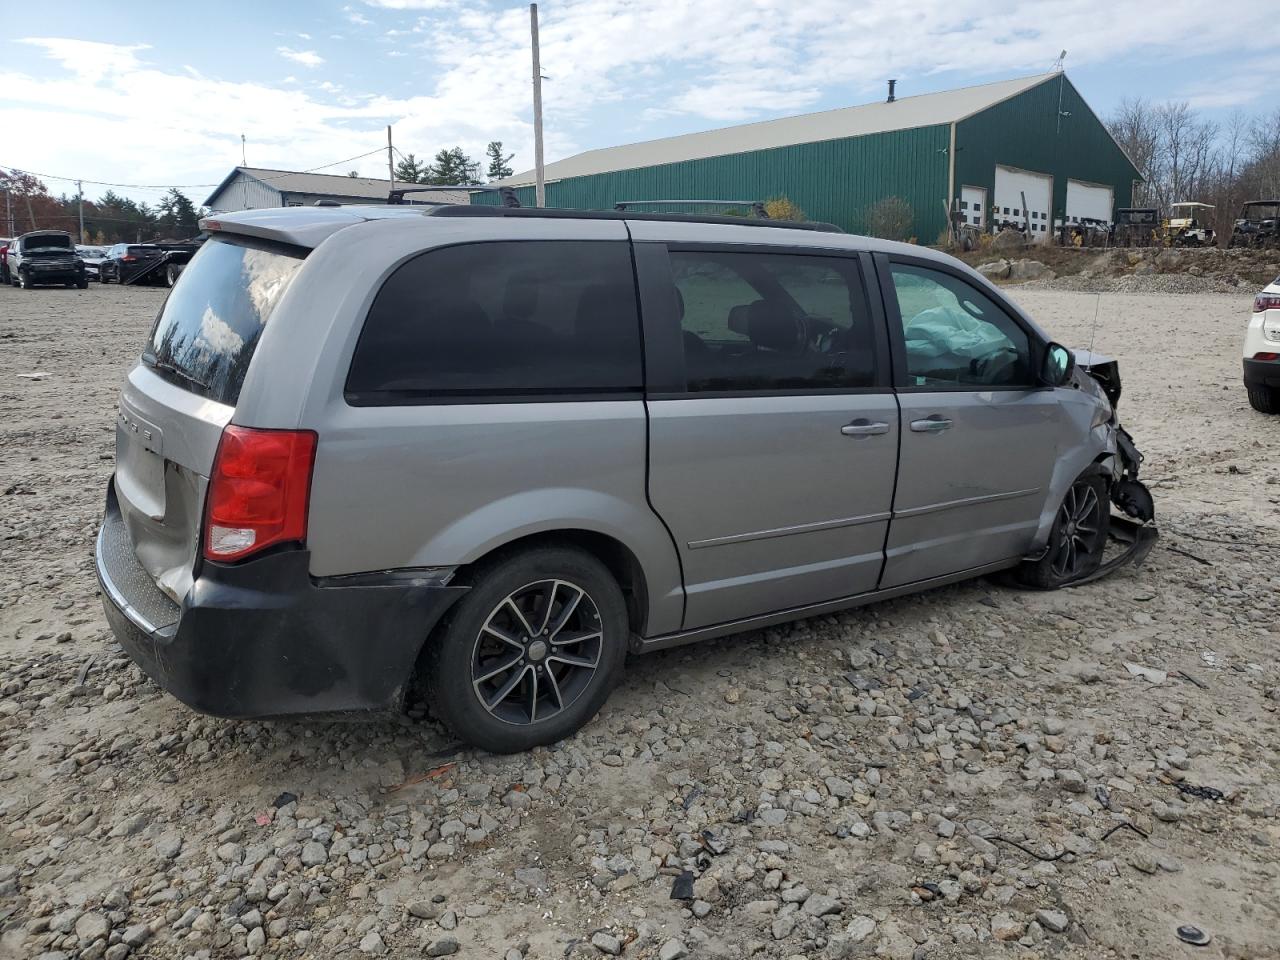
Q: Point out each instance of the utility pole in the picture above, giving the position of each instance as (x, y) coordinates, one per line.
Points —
(540, 181)
(80, 191)
(391, 164)
(8, 208)
(244, 180)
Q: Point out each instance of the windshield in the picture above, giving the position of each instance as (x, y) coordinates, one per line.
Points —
(209, 327)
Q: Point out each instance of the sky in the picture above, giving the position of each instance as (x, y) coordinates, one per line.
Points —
(153, 94)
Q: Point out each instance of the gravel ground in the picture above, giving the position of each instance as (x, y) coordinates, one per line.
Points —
(939, 776)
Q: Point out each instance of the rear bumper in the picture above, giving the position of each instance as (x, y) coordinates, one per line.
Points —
(1262, 373)
(263, 638)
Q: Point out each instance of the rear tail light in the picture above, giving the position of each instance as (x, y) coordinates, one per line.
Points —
(1266, 301)
(258, 491)
(1269, 357)
(128, 258)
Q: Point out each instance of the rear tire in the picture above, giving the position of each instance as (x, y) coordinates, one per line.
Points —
(1264, 399)
(24, 281)
(543, 631)
(171, 275)
(1077, 540)
(83, 284)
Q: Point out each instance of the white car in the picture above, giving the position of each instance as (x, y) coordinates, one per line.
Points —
(92, 257)
(1262, 351)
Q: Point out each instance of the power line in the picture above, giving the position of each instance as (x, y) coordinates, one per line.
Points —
(181, 186)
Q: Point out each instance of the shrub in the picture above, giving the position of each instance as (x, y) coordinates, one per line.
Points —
(780, 208)
(890, 219)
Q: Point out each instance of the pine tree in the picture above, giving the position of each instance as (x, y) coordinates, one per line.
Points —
(177, 215)
(452, 167)
(409, 170)
(498, 164)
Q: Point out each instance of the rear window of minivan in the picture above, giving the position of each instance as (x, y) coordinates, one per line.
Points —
(210, 325)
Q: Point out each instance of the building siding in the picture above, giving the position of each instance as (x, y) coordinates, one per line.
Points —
(244, 193)
(840, 180)
(833, 180)
(1024, 131)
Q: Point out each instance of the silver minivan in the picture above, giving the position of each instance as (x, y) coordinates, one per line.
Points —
(490, 451)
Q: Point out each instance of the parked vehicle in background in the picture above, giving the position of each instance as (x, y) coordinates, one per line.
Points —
(128, 262)
(178, 254)
(1189, 224)
(1258, 225)
(92, 257)
(1262, 351)
(44, 258)
(492, 450)
(1137, 227)
(4, 259)
(160, 262)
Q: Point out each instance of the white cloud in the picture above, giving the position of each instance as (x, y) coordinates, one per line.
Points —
(412, 4)
(356, 17)
(308, 58)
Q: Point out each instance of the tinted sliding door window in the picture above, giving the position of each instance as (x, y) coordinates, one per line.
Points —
(771, 321)
(509, 319)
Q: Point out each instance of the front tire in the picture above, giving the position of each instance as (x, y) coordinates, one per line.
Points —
(531, 653)
(1077, 540)
(1264, 399)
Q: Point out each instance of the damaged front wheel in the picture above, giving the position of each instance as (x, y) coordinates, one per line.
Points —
(1078, 538)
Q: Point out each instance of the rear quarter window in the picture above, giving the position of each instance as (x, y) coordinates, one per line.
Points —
(209, 327)
(503, 319)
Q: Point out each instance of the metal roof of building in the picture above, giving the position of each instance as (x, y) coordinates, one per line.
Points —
(904, 113)
(368, 188)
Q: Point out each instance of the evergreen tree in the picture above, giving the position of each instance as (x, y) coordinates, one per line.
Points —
(498, 164)
(409, 170)
(178, 218)
(452, 167)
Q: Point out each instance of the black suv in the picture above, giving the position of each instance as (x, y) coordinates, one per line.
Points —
(46, 257)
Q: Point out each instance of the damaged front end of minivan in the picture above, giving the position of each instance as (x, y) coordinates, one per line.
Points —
(1132, 524)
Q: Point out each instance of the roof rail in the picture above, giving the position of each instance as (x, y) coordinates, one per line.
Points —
(565, 213)
(508, 195)
(757, 207)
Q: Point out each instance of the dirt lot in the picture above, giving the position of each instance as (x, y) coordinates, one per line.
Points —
(937, 777)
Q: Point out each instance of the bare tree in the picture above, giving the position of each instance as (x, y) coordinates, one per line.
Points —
(1135, 129)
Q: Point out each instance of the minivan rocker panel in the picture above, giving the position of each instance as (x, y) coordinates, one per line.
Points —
(490, 451)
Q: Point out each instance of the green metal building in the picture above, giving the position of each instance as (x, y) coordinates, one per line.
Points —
(1027, 151)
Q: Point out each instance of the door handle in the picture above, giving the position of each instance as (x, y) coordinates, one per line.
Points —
(864, 428)
(933, 424)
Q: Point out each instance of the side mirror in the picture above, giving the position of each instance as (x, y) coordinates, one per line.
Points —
(1058, 365)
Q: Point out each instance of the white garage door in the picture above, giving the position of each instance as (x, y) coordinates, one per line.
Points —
(1088, 201)
(1012, 186)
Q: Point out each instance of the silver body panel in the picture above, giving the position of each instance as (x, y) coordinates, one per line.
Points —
(970, 494)
(166, 438)
(738, 510)
(770, 504)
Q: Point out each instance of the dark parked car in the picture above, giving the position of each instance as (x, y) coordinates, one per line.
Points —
(129, 262)
(158, 262)
(4, 258)
(45, 257)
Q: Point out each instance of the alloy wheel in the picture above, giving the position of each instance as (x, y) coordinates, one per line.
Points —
(1079, 519)
(537, 652)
